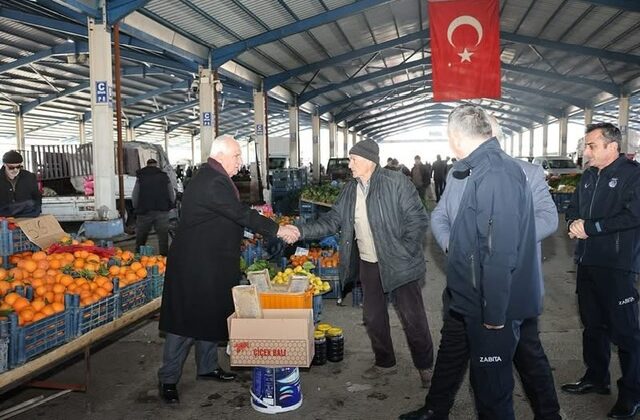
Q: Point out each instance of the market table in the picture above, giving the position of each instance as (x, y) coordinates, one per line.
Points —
(21, 374)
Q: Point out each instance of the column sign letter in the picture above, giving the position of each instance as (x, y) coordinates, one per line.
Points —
(206, 119)
(259, 129)
(102, 92)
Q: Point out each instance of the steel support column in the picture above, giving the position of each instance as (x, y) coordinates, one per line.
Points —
(294, 136)
(345, 144)
(102, 115)
(530, 143)
(206, 86)
(623, 122)
(166, 141)
(315, 132)
(545, 139)
(588, 116)
(82, 133)
(260, 130)
(333, 132)
(563, 122)
(20, 138)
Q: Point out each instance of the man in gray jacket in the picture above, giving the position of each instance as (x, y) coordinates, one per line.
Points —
(453, 354)
(382, 223)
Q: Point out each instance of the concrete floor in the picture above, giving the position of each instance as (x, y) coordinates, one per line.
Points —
(123, 381)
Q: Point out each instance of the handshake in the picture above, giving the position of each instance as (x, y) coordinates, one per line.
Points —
(289, 233)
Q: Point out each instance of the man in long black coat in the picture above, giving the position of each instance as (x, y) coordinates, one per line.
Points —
(203, 266)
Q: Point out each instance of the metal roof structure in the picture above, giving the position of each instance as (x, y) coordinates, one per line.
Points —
(363, 63)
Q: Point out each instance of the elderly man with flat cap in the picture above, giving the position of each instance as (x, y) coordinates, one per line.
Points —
(382, 223)
(19, 192)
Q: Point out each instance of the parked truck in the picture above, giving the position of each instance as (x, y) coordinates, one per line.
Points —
(63, 171)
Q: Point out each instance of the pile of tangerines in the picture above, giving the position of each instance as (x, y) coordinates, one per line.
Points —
(52, 275)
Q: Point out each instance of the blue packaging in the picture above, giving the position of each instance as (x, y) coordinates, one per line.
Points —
(276, 390)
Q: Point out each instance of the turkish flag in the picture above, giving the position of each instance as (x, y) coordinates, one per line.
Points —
(465, 49)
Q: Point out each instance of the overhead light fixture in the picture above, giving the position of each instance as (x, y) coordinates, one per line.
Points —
(172, 75)
(70, 40)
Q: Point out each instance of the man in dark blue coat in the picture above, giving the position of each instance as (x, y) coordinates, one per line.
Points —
(604, 215)
(492, 271)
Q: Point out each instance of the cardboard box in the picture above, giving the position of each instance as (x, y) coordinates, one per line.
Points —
(282, 338)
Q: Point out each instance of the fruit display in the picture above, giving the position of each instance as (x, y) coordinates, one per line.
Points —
(329, 259)
(315, 282)
(564, 183)
(325, 193)
(71, 267)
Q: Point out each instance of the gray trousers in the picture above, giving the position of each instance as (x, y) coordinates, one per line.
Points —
(176, 350)
(159, 220)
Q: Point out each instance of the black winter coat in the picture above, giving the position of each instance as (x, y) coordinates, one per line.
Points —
(151, 191)
(26, 190)
(609, 203)
(398, 223)
(204, 259)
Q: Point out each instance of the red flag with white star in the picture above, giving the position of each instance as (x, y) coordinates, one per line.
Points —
(465, 49)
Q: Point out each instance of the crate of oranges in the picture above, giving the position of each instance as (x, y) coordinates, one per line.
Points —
(50, 325)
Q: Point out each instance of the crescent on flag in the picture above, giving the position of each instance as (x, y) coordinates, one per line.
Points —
(464, 20)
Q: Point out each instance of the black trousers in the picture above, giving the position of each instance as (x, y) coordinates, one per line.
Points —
(159, 220)
(439, 187)
(608, 304)
(407, 301)
(453, 357)
(176, 350)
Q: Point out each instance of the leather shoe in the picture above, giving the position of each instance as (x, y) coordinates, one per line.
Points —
(169, 393)
(624, 409)
(584, 386)
(421, 414)
(217, 375)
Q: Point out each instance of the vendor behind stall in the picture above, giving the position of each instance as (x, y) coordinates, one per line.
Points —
(19, 193)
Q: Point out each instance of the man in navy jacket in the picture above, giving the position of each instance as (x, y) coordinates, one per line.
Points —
(604, 215)
(453, 353)
(492, 270)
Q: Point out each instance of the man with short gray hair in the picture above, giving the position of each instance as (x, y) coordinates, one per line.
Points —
(202, 267)
(492, 271)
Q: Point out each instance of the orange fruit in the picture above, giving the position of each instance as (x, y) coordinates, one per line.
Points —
(141, 273)
(131, 277)
(66, 280)
(40, 291)
(16, 273)
(58, 288)
(38, 273)
(38, 304)
(29, 266)
(88, 242)
(58, 306)
(39, 255)
(102, 292)
(114, 270)
(4, 306)
(78, 263)
(135, 266)
(20, 304)
(58, 298)
(11, 298)
(49, 297)
(93, 258)
(48, 310)
(4, 273)
(44, 264)
(5, 286)
(127, 255)
(108, 286)
(38, 316)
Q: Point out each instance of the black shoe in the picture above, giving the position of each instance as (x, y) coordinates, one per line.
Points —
(421, 414)
(624, 409)
(169, 393)
(584, 386)
(217, 375)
